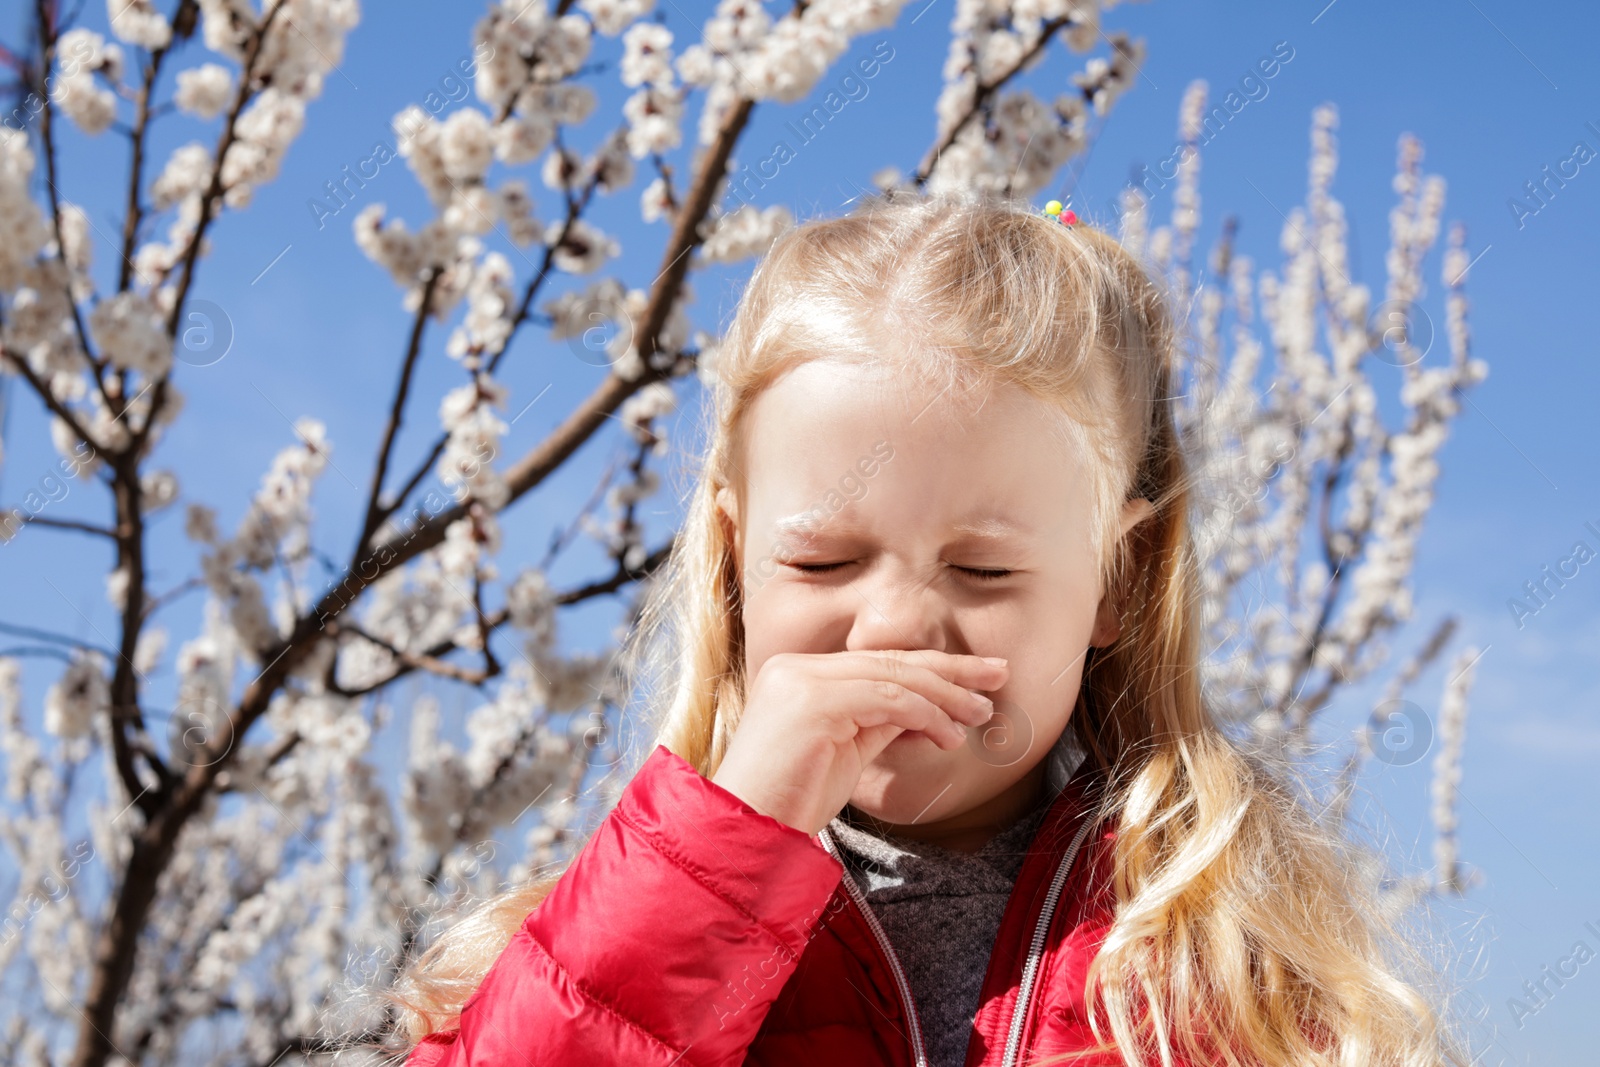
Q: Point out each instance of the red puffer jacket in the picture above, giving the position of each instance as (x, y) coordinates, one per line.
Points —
(693, 931)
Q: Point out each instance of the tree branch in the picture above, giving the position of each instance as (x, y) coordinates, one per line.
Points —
(575, 208)
(48, 398)
(540, 461)
(133, 214)
(491, 622)
(47, 47)
(375, 513)
(980, 98)
(153, 844)
(208, 200)
(70, 524)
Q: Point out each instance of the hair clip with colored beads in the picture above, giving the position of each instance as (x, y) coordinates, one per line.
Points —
(1060, 212)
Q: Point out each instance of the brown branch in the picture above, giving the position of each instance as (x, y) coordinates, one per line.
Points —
(275, 755)
(418, 660)
(170, 809)
(70, 524)
(492, 621)
(575, 208)
(45, 635)
(416, 477)
(126, 714)
(1303, 663)
(47, 47)
(980, 98)
(50, 400)
(133, 214)
(175, 978)
(540, 461)
(491, 666)
(208, 200)
(562, 538)
(375, 513)
(636, 469)
(162, 600)
(153, 844)
(619, 579)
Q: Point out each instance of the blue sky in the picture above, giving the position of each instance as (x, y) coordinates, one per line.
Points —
(1495, 96)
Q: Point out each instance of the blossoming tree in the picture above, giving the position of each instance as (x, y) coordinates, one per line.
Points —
(191, 924)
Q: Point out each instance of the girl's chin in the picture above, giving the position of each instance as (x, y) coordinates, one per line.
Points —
(911, 781)
(911, 750)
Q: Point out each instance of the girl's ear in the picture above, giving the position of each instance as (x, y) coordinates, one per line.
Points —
(728, 515)
(1108, 616)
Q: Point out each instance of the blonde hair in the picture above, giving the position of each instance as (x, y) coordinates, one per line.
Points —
(1241, 935)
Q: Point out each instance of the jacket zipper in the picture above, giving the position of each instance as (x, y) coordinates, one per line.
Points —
(900, 982)
(1030, 969)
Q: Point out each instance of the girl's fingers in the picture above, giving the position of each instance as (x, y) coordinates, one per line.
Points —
(967, 671)
(877, 702)
(940, 677)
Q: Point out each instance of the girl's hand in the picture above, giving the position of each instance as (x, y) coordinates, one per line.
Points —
(812, 723)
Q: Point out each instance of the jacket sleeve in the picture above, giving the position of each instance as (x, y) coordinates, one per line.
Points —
(664, 943)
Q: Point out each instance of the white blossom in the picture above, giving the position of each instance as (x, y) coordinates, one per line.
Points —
(516, 211)
(523, 138)
(562, 169)
(654, 120)
(187, 174)
(612, 16)
(200, 524)
(420, 146)
(745, 232)
(81, 693)
(673, 335)
(575, 313)
(490, 306)
(583, 249)
(388, 244)
(227, 25)
(639, 412)
(514, 29)
(469, 544)
(80, 53)
(789, 61)
(159, 489)
(20, 218)
(131, 333)
(647, 55)
(472, 209)
(612, 168)
(148, 652)
(655, 202)
(465, 148)
(264, 131)
(531, 604)
(139, 23)
(474, 431)
(204, 90)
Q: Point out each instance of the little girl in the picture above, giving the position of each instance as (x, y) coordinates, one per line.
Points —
(937, 785)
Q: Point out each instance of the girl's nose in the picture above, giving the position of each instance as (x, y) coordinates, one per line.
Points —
(897, 611)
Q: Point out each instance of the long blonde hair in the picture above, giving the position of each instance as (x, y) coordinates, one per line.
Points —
(1240, 933)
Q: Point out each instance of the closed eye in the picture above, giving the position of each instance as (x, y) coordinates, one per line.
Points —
(816, 568)
(987, 574)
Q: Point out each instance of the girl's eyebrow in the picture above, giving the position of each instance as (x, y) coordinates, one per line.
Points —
(991, 528)
(801, 522)
(805, 525)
